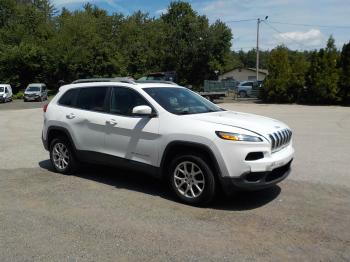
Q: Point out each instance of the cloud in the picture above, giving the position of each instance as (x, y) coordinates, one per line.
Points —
(161, 11)
(313, 37)
(67, 2)
(325, 12)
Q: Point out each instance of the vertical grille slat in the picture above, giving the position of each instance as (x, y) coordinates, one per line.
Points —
(273, 142)
(280, 139)
(285, 136)
(276, 138)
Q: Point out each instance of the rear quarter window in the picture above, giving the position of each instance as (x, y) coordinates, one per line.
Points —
(69, 98)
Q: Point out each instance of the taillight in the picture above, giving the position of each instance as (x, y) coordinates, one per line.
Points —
(45, 108)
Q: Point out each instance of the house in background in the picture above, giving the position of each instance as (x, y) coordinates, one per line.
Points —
(244, 74)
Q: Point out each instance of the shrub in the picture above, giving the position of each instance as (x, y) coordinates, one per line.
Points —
(19, 95)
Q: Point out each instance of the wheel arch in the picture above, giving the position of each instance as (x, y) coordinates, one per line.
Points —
(174, 148)
(55, 131)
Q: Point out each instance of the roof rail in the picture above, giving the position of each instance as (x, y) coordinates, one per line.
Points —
(155, 81)
(114, 79)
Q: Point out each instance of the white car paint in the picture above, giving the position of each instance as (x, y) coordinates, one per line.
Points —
(5, 93)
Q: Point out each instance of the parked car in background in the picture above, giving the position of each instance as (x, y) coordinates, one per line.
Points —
(5, 93)
(249, 88)
(163, 76)
(168, 131)
(35, 92)
(244, 88)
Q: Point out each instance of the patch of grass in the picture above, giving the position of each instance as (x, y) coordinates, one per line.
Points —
(19, 95)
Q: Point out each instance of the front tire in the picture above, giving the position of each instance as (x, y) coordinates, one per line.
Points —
(242, 94)
(192, 180)
(62, 157)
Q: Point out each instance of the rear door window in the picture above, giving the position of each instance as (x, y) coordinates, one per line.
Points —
(92, 98)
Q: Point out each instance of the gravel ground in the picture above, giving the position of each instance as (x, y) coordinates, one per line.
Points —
(20, 104)
(104, 214)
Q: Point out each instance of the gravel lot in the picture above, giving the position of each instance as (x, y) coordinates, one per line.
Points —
(104, 214)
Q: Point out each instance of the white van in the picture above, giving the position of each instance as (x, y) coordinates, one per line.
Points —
(5, 93)
(35, 92)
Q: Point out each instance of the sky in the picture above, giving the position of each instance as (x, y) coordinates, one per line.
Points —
(298, 24)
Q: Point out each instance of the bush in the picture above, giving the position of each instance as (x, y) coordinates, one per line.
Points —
(19, 95)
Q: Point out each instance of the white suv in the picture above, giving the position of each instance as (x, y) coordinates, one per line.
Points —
(168, 131)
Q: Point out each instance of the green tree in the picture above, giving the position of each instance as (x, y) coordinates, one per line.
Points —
(277, 84)
(322, 78)
(39, 44)
(192, 47)
(248, 59)
(299, 66)
(344, 83)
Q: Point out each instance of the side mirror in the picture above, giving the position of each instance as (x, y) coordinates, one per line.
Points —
(142, 111)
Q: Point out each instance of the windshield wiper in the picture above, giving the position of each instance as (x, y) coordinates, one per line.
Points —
(185, 112)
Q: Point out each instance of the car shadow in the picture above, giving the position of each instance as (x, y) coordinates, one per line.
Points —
(246, 200)
(143, 183)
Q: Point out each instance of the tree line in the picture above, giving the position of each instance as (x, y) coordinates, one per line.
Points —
(40, 44)
(313, 77)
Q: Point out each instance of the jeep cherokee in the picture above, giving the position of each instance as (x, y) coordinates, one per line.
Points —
(168, 131)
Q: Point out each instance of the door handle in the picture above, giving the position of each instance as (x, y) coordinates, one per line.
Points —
(70, 116)
(112, 122)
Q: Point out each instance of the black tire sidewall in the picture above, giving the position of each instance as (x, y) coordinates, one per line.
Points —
(71, 164)
(242, 94)
(210, 185)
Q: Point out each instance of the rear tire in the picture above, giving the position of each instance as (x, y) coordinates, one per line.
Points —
(192, 180)
(62, 156)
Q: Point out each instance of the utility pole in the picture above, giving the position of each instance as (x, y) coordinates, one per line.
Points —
(257, 46)
(257, 49)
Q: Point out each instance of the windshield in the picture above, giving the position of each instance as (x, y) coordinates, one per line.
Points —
(181, 101)
(33, 88)
(1, 89)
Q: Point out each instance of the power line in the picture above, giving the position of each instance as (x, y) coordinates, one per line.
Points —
(294, 24)
(312, 25)
(243, 20)
(283, 34)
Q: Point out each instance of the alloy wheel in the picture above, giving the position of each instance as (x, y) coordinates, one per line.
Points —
(189, 179)
(60, 156)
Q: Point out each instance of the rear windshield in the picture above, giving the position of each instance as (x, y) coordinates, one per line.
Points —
(33, 88)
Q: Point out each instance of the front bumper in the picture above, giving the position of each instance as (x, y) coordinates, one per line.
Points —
(238, 172)
(31, 98)
(257, 180)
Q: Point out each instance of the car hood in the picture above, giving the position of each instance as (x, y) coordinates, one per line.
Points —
(254, 123)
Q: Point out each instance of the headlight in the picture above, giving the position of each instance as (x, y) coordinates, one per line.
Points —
(237, 137)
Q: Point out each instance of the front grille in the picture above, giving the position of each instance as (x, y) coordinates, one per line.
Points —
(280, 139)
